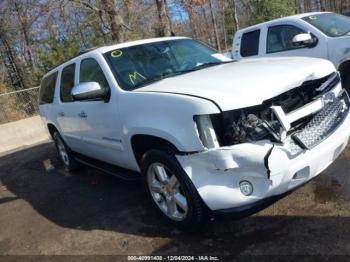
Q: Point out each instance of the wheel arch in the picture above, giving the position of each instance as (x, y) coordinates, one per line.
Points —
(344, 64)
(51, 128)
(141, 143)
(344, 70)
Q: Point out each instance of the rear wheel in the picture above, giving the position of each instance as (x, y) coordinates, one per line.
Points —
(171, 191)
(64, 153)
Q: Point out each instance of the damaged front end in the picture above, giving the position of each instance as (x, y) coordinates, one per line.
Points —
(279, 118)
(272, 146)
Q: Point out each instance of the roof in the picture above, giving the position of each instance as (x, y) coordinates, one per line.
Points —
(105, 49)
(286, 18)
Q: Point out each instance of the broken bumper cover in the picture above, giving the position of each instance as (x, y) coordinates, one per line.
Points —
(272, 169)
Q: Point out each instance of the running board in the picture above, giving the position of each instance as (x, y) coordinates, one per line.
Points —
(122, 173)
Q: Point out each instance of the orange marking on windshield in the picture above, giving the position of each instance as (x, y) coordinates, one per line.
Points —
(134, 76)
(116, 54)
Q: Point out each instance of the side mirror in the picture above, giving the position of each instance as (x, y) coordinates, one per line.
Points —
(89, 91)
(303, 40)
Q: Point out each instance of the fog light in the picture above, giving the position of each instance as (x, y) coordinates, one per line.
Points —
(246, 187)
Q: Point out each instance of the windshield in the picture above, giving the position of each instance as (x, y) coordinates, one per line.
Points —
(331, 24)
(140, 65)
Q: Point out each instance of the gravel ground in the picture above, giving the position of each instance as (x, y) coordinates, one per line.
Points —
(49, 212)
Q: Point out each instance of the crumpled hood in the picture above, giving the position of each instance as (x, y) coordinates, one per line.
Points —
(245, 83)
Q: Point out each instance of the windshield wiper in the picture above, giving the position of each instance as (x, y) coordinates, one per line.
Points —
(158, 78)
(199, 67)
(176, 73)
(208, 65)
(346, 33)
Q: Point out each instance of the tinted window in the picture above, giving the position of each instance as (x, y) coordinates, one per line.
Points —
(140, 65)
(67, 83)
(280, 38)
(47, 89)
(331, 24)
(250, 43)
(90, 71)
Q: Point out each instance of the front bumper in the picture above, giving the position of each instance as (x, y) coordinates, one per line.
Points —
(272, 169)
(249, 209)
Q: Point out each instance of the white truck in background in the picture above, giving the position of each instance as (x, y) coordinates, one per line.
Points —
(322, 35)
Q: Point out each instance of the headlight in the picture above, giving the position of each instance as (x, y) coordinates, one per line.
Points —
(206, 131)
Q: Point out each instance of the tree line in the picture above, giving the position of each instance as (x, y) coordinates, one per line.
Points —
(36, 35)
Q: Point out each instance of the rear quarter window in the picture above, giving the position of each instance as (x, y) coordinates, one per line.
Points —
(47, 89)
(250, 43)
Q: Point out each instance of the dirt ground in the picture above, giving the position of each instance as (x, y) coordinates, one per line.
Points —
(52, 213)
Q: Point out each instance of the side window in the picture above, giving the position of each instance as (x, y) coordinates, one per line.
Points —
(280, 38)
(90, 71)
(47, 89)
(67, 83)
(250, 43)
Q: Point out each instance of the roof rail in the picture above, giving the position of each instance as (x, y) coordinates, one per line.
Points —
(80, 53)
(87, 50)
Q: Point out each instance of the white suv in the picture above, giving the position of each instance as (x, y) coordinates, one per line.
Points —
(209, 135)
(322, 35)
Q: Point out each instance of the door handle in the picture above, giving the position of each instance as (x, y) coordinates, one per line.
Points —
(61, 114)
(82, 114)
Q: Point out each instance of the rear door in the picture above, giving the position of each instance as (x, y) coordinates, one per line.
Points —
(67, 110)
(247, 44)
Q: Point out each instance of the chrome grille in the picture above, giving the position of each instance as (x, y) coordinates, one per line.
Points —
(323, 123)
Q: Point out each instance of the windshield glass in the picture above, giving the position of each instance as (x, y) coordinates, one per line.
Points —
(140, 65)
(331, 24)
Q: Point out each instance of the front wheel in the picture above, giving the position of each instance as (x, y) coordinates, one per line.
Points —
(346, 82)
(171, 191)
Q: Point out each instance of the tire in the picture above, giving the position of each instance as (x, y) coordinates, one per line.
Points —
(344, 70)
(346, 82)
(171, 191)
(64, 153)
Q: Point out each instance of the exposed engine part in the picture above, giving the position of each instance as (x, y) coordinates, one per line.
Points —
(275, 119)
(261, 122)
(249, 128)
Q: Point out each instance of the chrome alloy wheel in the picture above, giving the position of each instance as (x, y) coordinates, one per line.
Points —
(166, 192)
(62, 151)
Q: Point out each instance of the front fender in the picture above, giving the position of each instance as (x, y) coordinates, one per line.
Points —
(167, 116)
(156, 133)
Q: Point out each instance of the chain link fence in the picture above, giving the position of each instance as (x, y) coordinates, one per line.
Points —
(19, 104)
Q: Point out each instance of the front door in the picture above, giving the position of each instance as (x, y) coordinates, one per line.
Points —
(279, 42)
(100, 126)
